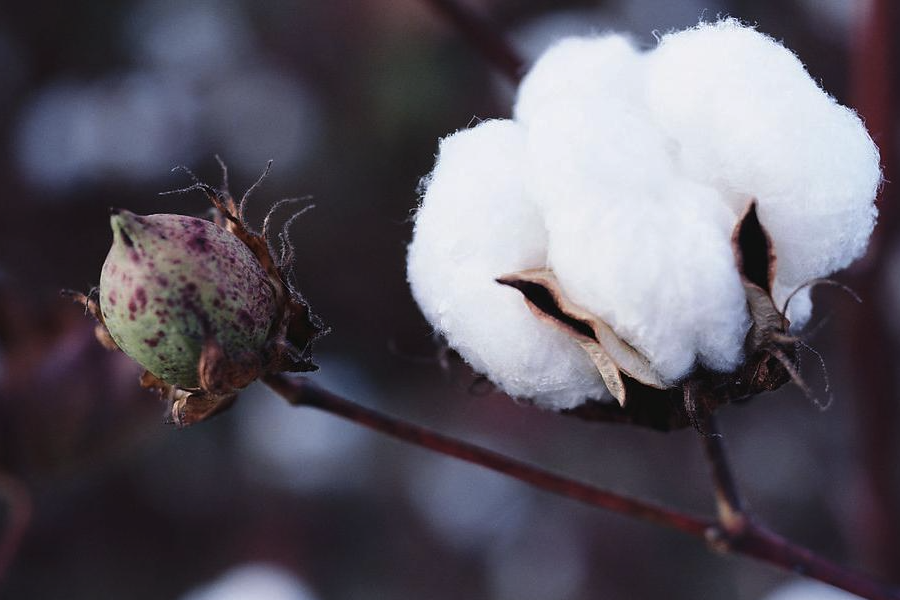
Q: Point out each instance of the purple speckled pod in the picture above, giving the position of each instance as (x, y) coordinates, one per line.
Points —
(171, 281)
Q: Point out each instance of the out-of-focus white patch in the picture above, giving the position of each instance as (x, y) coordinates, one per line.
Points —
(199, 38)
(625, 172)
(809, 590)
(129, 128)
(544, 560)
(470, 507)
(253, 581)
(303, 449)
(264, 113)
(199, 87)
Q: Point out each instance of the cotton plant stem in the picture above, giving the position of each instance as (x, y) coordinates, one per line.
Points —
(751, 540)
(302, 392)
(741, 534)
(483, 36)
(729, 504)
(17, 502)
(872, 92)
(872, 349)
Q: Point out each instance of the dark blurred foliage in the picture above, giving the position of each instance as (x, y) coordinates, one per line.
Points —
(99, 99)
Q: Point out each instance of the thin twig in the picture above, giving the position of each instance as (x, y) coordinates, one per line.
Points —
(302, 392)
(729, 504)
(18, 515)
(479, 32)
(742, 534)
(754, 540)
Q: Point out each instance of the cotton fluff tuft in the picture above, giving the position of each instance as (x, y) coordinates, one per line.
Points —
(749, 120)
(473, 226)
(625, 172)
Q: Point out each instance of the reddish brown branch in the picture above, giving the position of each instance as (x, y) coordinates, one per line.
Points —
(872, 93)
(740, 533)
(751, 540)
(871, 349)
(302, 392)
(729, 504)
(18, 515)
(483, 36)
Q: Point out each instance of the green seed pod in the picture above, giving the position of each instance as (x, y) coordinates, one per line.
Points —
(172, 283)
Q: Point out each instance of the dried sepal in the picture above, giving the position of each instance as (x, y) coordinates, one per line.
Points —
(92, 306)
(755, 258)
(187, 407)
(296, 327)
(609, 371)
(770, 351)
(610, 354)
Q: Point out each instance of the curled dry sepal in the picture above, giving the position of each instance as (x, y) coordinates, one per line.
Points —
(639, 199)
(642, 396)
(205, 307)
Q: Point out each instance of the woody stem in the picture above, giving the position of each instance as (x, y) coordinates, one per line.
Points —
(729, 504)
(752, 540)
(483, 36)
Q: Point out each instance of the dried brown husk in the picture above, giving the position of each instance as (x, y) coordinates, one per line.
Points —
(643, 398)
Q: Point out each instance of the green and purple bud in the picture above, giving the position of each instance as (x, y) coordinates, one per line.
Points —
(171, 283)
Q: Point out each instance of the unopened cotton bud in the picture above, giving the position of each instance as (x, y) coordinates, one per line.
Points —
(171, 282)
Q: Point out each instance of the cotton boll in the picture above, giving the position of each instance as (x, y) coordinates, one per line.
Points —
(577, 147)
(587, 123)
(749, 120)
(474, 225)
(656, 264)
(585, 68)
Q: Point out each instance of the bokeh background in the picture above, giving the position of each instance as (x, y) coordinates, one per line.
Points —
(100, 99)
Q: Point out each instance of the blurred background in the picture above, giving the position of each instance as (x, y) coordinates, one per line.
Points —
(100, 99)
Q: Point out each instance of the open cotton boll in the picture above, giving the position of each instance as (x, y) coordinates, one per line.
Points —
(748, 119)
(587, 123)
(656, 264)
(474, 225)
(586, 68)
(577, 146)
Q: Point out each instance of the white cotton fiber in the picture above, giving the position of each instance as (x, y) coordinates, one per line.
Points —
(585, 142)
(474, 225)
(625, 173)
(657, 263)
(749, 120)
(579, 69)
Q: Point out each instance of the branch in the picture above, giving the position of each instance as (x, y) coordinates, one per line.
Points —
(482, 35)
(752, 540)
(872, 350)
(302, 392)
(18, 516)
(740, 533)
(872, 86)
(729, 504)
